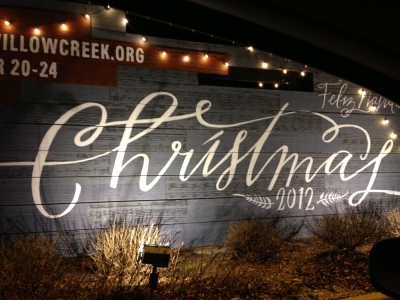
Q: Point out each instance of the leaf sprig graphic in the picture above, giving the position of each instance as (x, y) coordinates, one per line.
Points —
(263, 202)
(330, 198)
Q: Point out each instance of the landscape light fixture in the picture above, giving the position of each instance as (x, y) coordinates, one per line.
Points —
(158, 256)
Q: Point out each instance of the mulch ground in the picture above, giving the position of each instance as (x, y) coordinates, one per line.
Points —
(303, 269)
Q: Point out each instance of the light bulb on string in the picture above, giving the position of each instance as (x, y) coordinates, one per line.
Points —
(260, 84)
(276, 85)
(87, 16)
(265, 65)
(7, 22)
(284, 71)
(143, 38)
(373, 108)
(186, 58)
(164, 53)
(302, 73)
(125, 21)
(205, 55)
(36, 30)
(226, 64)
(250, 48)
(386, 121)
(108, 6)
(394, 135)
(63, 26)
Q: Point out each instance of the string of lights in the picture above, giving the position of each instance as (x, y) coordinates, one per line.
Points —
(375, 108)
(64, 26)
(164, 51)
(264, 63)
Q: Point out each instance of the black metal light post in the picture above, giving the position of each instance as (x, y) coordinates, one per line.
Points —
(158, 256)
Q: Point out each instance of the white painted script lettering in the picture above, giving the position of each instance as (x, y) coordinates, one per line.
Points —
(337, 161)
(348, 104)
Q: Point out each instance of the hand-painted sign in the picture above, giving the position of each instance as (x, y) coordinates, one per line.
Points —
(107, 128)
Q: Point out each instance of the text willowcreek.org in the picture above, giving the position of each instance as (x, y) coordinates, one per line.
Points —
(72, 48)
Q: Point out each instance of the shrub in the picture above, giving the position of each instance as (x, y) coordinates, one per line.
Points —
(347, 231)
(117, 252)
(253, 240)
(30, 269)
(393, 222)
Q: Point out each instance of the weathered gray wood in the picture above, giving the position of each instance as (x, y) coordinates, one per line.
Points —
(38, 92)
(103, 166)
(127, 75)
(201, 206)
(16, 138)
(198, 187)
(264, 99)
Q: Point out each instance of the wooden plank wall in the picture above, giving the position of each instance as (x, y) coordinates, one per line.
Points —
(200, 207)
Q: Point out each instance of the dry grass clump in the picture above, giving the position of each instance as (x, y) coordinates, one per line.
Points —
(117, 252)
(30, 269)
(253, 240)
(348, 231)
(188, 276)
(393, 220)
(194, 276)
